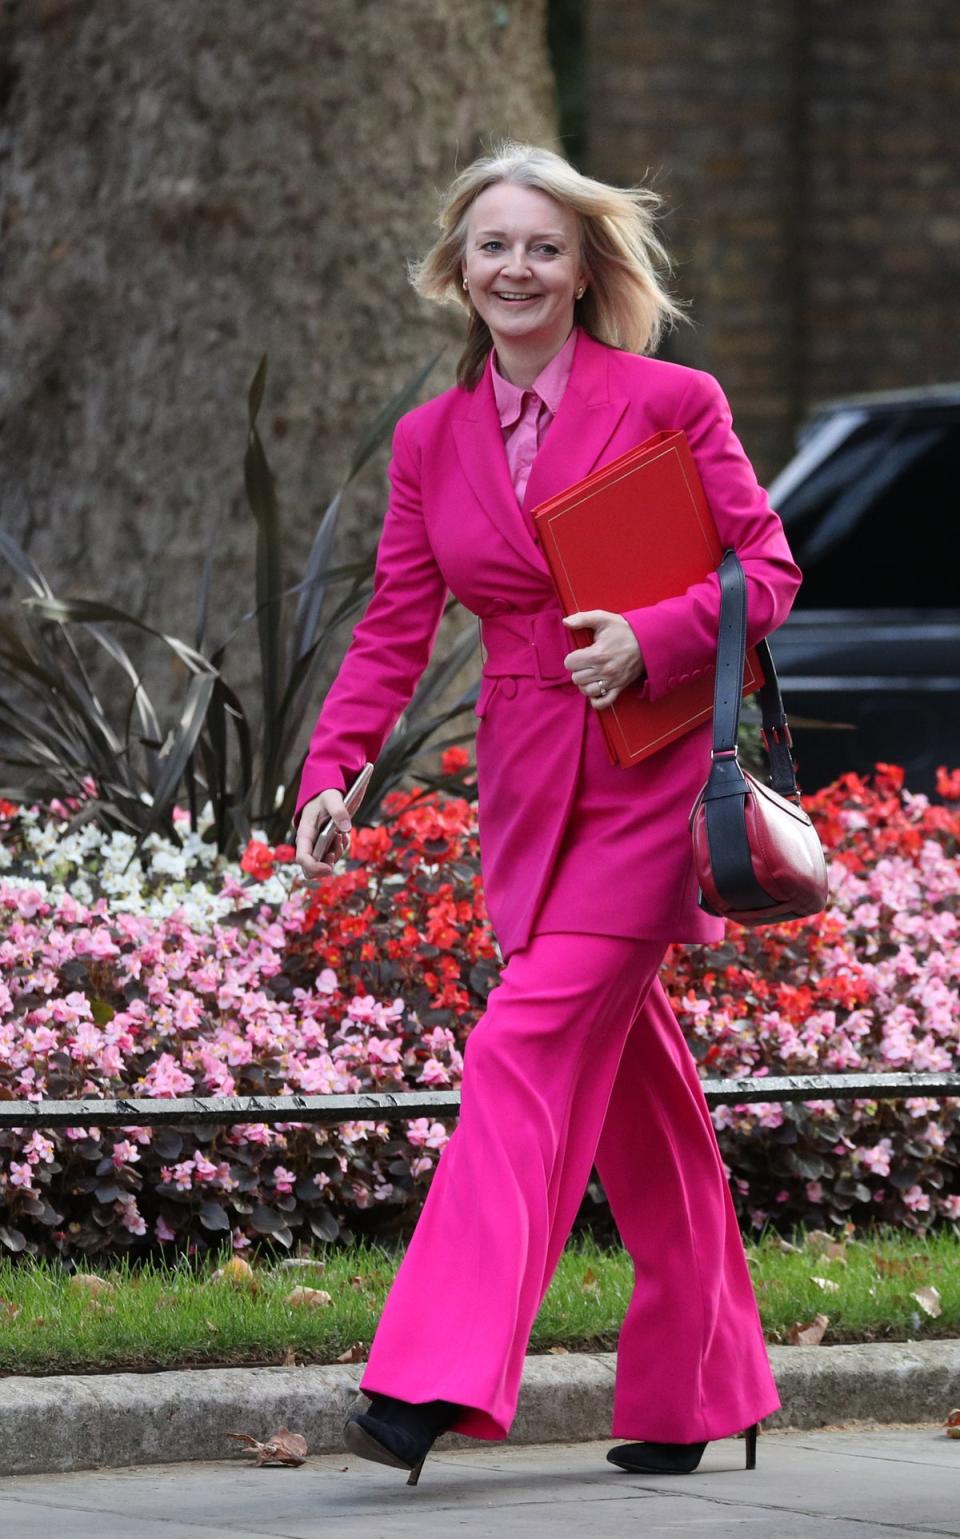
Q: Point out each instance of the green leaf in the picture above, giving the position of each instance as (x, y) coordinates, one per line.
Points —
(261, 495)
(255, 393)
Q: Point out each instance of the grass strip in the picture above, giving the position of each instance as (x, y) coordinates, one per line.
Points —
(152, 1317)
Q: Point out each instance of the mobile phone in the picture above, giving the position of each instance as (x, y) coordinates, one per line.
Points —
(352, 799)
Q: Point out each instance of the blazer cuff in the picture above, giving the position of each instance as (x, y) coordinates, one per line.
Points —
(320, 776)
(661, 642)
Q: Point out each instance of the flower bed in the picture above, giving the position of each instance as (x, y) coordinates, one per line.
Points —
(187, 974)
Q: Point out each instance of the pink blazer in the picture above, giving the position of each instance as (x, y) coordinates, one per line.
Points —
(453, 523)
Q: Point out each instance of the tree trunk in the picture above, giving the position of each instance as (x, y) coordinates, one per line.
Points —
(186, 186)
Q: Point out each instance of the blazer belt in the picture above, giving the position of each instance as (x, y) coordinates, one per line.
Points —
(515, 645)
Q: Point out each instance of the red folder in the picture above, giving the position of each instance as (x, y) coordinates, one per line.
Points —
(637, 531)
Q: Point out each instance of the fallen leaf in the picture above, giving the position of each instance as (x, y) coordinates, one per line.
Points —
(281, 1447)
(929, 1300)
(786, 1246)
(211, 1326)
(952, 1424)
(590, 1282)
(308, 1298)
(87, 1282)
(353, 1354)
(289, 1359)
(891, 1264)
(238, 1272)
(817, 1239)
(836, 1251)
(809, 1335)
(826, 1284)
(8, 1309)
(559, 1351)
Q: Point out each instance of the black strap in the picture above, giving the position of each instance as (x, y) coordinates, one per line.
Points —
(728, 686)
(727, 788)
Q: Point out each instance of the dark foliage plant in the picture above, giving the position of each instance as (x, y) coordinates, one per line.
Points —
(60, 734)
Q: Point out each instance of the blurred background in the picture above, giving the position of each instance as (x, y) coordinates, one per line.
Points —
(186, 187)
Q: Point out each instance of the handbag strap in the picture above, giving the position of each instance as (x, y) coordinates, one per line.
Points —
(728, 691)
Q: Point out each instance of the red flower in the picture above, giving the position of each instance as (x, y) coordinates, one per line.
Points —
(889, 777)
(453, 760)
(257, 860)
(948, 783)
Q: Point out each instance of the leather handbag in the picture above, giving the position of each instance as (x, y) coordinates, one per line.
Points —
(757, 855)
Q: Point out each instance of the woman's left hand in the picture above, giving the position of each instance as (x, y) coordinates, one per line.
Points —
(614, 655)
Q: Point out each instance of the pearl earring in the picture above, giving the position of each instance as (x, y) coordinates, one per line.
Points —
(579, 293)
(466, 283)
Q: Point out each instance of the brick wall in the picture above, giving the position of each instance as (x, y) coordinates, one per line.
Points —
(807, 153)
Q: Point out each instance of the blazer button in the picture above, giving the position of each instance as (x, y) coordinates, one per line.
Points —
(508, 687)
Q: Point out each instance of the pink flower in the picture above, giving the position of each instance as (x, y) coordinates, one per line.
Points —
(132, 1219)
(21, 1175)
(283, 1179)
(814, 1191)
(204, 1169)
(166, 1078)
(124, 1153)
(38, 1148)
(877, 1159)
(434, 1073)
(916, 1200)
(162, 1230)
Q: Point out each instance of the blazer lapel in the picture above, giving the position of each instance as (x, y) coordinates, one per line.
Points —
(483, 459)
(586, 420)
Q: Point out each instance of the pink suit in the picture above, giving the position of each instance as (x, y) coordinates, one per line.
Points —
(578, 1056)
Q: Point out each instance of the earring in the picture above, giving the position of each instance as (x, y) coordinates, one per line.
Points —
(579, 293)
(466, 283)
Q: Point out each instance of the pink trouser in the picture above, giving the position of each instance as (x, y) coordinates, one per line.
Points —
(579, 1060)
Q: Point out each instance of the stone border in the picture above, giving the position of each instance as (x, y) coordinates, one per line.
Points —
(121, 1419)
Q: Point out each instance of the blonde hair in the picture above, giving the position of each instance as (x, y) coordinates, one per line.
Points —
(625, 304)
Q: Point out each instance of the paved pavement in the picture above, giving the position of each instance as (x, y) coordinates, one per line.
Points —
(853, 1482)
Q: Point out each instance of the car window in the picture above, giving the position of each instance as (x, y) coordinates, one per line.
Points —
(874, 526)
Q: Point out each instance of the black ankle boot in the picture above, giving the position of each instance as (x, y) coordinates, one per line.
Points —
(398, 1432)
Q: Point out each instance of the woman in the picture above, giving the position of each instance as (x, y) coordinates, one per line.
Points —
(587, 868)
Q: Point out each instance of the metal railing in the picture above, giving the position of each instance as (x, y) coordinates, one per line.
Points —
(390, 1106)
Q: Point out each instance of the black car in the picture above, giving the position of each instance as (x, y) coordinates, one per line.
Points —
(871, 649)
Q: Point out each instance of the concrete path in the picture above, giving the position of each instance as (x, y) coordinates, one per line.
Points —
(846, 1483)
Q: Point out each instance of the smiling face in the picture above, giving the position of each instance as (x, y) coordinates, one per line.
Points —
(523, 264)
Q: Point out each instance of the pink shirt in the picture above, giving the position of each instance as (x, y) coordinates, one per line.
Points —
(525, 415)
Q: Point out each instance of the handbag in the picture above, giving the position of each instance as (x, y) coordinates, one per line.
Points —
(757, 856)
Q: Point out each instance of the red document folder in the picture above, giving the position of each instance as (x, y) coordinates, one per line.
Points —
(637, 531)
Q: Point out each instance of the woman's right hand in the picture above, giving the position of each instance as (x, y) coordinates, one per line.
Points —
(315, 813)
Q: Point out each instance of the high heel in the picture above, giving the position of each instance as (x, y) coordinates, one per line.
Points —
(673, 1458)
(398, 1432)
